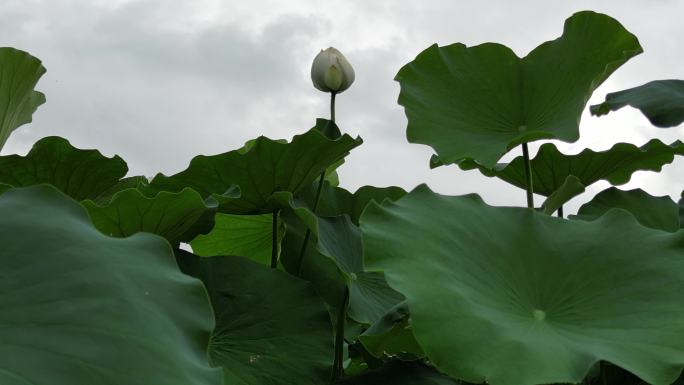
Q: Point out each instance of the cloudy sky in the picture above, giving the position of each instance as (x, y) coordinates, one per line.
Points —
(159, 81)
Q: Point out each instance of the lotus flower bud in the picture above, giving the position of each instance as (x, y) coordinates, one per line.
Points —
(331, 72)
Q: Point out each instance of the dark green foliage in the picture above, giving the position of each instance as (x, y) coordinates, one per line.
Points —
(661, 101)
(655, 212)
(244, 181)
(19, 74)
(270, 327)
(550, 167)
(295, 280)
(81, 174)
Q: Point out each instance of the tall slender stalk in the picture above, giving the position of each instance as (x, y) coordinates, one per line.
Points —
(338, 362)
(321, 179)
(332, 106)
(528, 176)
(560, 212)
(274, 240)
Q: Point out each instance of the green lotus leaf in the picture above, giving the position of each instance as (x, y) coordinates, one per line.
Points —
(659, 213)
(515, 297)
(243, 181)
(178, 217)
(479, 102)
(400, 373)
(338, 201)
(331, 131)
(137, 182)
(661, 101)
(337, 239)
(322, 271)
(19, 74)
(271, 327)
(370, 297)
(81, 174)
(248, 236)
(78, 307)
(328, 128)
(571, 188)
(550, 167)
(392, 334)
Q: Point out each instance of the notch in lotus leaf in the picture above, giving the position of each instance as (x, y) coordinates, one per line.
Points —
(479, 102)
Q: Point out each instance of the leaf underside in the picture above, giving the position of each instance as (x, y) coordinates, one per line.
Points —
(660, 213)
(19, 74)
(550, 167)
(661, 101)
(479, 102)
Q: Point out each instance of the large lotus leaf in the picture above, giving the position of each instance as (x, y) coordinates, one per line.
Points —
(479, 102)
(271, 327)
(244, 181)
(517, 297)
(178, 217)
(19, 74)
(78, 307)
(81, 174)
(400, 373)
(655, 212)
(248, 236)
(550, 167)
(661, 101)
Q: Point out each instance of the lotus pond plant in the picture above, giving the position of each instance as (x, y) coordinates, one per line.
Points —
(291, 279)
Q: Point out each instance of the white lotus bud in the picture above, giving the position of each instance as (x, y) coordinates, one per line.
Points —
(331, 72)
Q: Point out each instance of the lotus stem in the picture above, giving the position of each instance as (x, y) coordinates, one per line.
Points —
(274, 240)
(338, 367)
(528, 176)
(332, 107)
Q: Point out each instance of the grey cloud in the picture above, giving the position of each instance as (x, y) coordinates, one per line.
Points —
(147, 80)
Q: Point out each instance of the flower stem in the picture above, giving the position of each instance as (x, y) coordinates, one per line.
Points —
(274, 240)
(332, 107)
(338, 367)
(528, 176)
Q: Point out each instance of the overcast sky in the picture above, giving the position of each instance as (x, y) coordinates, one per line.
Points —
(160, 81)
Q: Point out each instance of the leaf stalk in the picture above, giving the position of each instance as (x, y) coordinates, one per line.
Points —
(338, 367)
(274, 240)
(528, 176)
